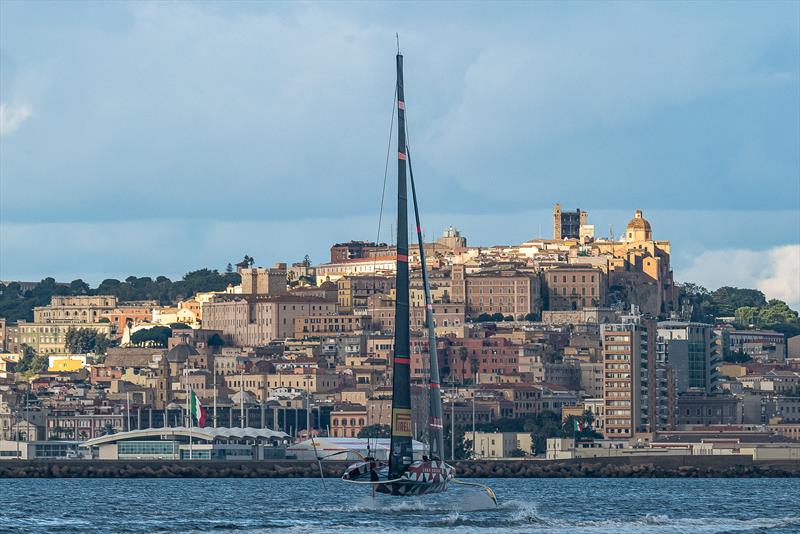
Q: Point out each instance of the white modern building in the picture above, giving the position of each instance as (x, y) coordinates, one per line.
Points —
(182, 443)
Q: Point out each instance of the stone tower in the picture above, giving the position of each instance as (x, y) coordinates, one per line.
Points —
(162, 397)
(261, 281)
(557, 222)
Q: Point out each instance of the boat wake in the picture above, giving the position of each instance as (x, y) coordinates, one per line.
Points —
(516, 516)
(475, 511)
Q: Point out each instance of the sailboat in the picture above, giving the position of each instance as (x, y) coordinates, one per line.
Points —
(403, 475)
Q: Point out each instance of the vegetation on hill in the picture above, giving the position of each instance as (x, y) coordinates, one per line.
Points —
(31, 362)
(86, 340)
(16, 304)
(748, 307)
(157, 336)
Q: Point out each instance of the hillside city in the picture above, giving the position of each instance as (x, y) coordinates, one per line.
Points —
(570, 346)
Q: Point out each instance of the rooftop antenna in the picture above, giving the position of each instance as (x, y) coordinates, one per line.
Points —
(397, 38)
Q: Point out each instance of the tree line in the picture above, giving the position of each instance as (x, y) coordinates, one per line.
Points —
(16, 304)
(748, 307)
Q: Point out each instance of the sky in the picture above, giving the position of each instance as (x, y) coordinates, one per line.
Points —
(157, 138)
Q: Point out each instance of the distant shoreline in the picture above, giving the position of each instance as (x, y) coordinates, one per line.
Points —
(651, 467)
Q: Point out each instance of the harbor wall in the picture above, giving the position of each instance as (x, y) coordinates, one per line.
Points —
(652, 467)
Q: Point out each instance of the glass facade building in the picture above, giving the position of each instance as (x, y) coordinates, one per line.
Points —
(160, 450)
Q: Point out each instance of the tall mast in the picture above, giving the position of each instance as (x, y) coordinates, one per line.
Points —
(435, 394)
(401, 452)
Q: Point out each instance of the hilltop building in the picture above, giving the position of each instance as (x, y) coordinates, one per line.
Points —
(255, 320)
(575, 287)
(510, 292)
(567, 224)
(261, 281)
(639, 268)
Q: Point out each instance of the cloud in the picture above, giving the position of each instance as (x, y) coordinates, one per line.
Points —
(61, 249)
(178, 119)
(11, 117)
(784, 281)
(269, 111)
(775, 271)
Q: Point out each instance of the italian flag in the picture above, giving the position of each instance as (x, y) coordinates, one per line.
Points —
(197, 410)
(578, 426)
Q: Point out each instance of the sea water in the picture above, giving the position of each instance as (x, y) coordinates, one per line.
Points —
(306, 505)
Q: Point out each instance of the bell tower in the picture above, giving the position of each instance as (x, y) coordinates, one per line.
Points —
(557, 222)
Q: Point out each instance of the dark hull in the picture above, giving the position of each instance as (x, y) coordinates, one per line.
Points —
(421, 477)
(407, 488)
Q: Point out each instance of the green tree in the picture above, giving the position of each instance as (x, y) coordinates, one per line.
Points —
(156, 336)
(375, 431)
(541, 427)
(728, 299)
(497, 317)
(463, 446)
(180, 326)
(699, 300)
(24, 363)
(738, 356)
(86, 340)
(79, 287)
(101, 343)
(31, 362)
(503, 424)
(586, 432)
(80, 340)
(482, 318)
(776, 312)
(746, 316)
(16, 304)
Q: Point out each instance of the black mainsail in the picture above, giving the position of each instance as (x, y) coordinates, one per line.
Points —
(435, 435)
(405, 476)
(401, 451)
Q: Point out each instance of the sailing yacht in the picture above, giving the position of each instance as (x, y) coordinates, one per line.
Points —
(403, 475)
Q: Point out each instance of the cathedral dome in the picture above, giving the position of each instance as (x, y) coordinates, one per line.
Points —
(638, 228)
(180, 353)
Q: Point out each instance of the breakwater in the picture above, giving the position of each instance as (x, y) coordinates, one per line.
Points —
(651, 467)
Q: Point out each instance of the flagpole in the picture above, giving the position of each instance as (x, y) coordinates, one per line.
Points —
(128, 402)
(215, 393)
(188, 409)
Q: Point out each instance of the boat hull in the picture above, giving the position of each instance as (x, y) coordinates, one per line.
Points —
(422, 477)
(407, 488)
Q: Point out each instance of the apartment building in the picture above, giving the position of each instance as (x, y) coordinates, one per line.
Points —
(321, 325)
(574, 287)
(255, 320)
(688, 348)
(509, 292)
(353, 291)
(628, 377)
